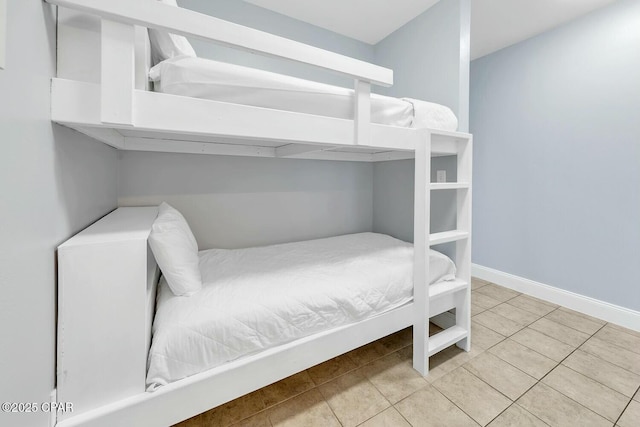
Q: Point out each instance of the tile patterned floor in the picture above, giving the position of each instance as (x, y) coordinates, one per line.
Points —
(532, 364)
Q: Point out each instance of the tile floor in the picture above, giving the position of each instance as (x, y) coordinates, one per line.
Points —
(532, 364)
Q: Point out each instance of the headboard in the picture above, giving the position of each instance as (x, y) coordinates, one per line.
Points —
(107, 279)
(79, 49)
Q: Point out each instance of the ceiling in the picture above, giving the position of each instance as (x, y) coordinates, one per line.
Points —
(366, 20)
(495, 24)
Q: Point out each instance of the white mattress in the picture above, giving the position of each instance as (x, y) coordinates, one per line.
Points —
(219, 81)
(257, 298)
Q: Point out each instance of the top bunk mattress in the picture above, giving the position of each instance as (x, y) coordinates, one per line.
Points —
(257, 298)
(219, 81)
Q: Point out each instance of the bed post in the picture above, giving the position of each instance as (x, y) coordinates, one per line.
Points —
(117, 72)
(362, 113)
(421, 213)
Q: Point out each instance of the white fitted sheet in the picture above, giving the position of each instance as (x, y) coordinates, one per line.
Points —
(257, 298)
(219, 81)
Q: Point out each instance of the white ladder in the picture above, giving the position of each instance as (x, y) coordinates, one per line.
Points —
(437, 300)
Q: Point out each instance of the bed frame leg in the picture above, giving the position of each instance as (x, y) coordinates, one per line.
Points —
(422, 200)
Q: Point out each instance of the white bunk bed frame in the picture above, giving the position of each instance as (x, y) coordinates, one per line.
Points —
(105, 321)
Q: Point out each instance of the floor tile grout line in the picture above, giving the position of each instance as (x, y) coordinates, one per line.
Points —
(558, 391)
(558, 307)
(623, 411)
(501, 287)
(610, 344)
(532, 414)
(593, 379)
(399, 412)
(357, 367)
(519, 324)
(519, 369)
(269, 407)
(570, 327)
(514, 403)
(575, 401)
(541, 378)
(536, 351)
(626, 407)
(377, 413)
(331, 409)
(452, 402)
(542, 332)
(520, 330)
(567, 356)
(529, 311)
(583, 316)
(367, 379)
(511, 299)
(317, 386)
(511, 400)
(517, 308)
(623, 329)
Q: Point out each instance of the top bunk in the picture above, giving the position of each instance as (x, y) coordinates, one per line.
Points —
(103, 90)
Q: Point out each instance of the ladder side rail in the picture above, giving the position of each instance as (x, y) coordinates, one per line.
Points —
(421, 274)
(463, 247)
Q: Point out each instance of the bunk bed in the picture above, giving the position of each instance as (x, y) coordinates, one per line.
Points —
(108, 276)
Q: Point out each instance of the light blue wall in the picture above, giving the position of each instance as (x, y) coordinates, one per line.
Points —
(393, 184)
(233, 202)
(430, 59)
(53, 182)
(556, 124)
(262, 19)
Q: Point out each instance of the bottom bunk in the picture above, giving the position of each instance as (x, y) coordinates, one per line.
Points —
(232, 336)
(258, 298)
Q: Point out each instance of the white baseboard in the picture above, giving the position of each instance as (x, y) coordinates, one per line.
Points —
(587, 305)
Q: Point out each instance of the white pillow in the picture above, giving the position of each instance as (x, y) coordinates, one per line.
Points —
(176, 251)
(165, 45)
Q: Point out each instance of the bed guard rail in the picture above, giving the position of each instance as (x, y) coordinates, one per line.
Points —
(120, 16)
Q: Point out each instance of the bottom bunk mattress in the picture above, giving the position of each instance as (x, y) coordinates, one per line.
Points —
(257, 298)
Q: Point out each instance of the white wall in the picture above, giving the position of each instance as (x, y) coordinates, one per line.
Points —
(233, 202)
(556, 122)
(53, 182)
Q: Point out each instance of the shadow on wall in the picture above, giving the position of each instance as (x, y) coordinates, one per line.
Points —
(233, 202)
(85, 171)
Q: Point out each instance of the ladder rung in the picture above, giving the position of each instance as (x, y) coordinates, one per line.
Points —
(449, 185)
(447, 236)
(446, 287)
(444, 339)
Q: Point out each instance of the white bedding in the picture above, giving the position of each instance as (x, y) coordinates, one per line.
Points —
(219, 81)
(257, 298)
